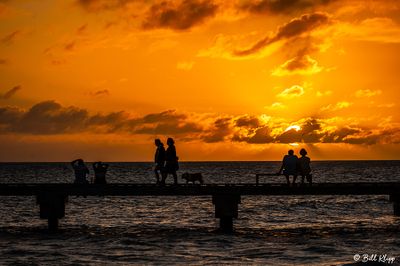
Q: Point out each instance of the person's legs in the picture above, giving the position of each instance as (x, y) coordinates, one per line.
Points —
(157, 175)
(287, 179)
(164, 175)
(302, 179)
(294, 179)
(175, 177)
(309, 179)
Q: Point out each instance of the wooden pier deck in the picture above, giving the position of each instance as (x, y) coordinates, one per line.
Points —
(225, 197)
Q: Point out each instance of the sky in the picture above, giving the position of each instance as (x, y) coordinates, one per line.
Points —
(228, 80)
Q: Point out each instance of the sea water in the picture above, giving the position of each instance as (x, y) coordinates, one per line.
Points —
(270, 230)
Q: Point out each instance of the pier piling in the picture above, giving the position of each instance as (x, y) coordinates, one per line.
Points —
(226, 208)
(52, 208)
(395, 198)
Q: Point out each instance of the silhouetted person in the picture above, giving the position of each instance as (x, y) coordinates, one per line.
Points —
(159, 159)
(81, 171)
(304, 167)
(289, 166)
(100, 171)
(171, 162)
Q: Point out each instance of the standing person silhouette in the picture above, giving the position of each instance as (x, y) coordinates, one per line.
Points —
(289, 166)
(171, 165)
(81, 171)
(100, 170)
(159, 159)
(304, 167)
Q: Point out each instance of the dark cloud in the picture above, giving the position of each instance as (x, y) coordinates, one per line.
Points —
(220, 129)
(3, 61)
(82, 29)
(70, 46)
(170, 128)
(11, 92)
(49, 118)
(181, 16)
(339, 135)
(98, 5)
(9, 115)
(296, 27)
(289, 136)
(281, 6)
(166, 116)
(10, 38)
(247, 121)
(260, 135)
(310, 131)
(101, 93)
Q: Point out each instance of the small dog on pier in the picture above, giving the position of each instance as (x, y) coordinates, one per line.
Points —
(193, 177)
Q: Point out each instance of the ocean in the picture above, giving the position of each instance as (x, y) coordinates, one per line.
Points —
(270, 230)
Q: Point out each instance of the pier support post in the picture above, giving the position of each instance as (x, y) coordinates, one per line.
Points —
(395, 198)
(226, 208)
(52, 208)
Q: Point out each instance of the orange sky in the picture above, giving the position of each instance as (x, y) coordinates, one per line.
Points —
(229, 80)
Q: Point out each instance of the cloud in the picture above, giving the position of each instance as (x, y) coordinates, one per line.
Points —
(82, 29)
(167, 122)
(323, 93)
(276, 106)
(101, 93)
(377, 29)
(261, 135)
(70, 46)
(247, 121)
(185, 65)
(99, 5)
(300, 65)
(11, 92)
(292, 92)
(281, 6)
(367, 93)
(3, 61)
(295, 28)
(11, 37)
(219, 130)
(180, 16)
(337, 106)
(51, 118)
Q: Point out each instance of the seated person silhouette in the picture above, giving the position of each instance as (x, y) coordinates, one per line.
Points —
(81, 171)
(304, 167)
(100, 170)
(289, 166)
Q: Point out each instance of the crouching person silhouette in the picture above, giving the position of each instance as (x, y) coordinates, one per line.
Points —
(100, 171)
(81, 171)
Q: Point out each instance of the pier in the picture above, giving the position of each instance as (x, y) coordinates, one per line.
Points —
(226, 198)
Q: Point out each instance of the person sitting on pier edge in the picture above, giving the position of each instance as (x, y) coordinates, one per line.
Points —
(289, 166)
(159, 159)
(171, 165)
(81, 171)
(304, 167)
(100, 170)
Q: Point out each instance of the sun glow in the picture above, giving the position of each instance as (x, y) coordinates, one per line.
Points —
(295, 127)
